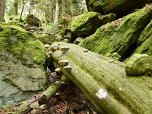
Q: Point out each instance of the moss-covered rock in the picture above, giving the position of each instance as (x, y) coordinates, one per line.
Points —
(145, 41)
(32, 20)
(119, 7)
(119, 36)
(87, 23)
(47, 39)
(22, 65)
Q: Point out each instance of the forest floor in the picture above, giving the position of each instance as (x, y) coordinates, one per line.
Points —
(69, 100)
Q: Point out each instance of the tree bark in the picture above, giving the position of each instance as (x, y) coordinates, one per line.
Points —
(71, 7)
(63, 6)
(22, 11)
(56, 19)
(50, 12)
(104, 81)
(2, 10)
(16, 7)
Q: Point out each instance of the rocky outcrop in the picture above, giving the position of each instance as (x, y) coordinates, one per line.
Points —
(32, 20)
(22, 61)
(87, 23)
(121, 35)
(144, 43)
(119, 7)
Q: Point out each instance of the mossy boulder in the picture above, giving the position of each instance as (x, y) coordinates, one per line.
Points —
(33, 20)
(144, 43)
(119, 7)
(87, 23)
(119, 36)
(47, 39)
(22, 65)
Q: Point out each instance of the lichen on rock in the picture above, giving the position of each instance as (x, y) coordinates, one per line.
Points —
(22, 65)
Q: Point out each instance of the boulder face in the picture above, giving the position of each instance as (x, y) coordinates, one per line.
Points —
(121, 35)
(119, 7)
(22, 61)
(32, 20)
(144, 43)
(87, 23)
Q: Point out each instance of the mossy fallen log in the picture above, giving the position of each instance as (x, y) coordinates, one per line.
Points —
(104, 81)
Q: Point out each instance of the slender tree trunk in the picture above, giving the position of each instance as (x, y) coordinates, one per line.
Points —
(16, 7)
(50, 12)
(63, 6)
(2, 10)
(56, 20)
(71, 7)
(6, 18)
(22, 11)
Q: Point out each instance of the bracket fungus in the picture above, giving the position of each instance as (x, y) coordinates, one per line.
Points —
(64, 48)
(68, 68)
(67, 29)
(63, 62)
(57, 70)
(60, 27)
(53, 47)
(66, 37)
(138, 65)
(46, 45)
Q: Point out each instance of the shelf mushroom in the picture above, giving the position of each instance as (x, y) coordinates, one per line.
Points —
(68, 68)
(64, 48)
(57, 70)
(53, 47)
(63, 62)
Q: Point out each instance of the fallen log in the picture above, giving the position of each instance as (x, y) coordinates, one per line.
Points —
(104, 82)
(39, 99)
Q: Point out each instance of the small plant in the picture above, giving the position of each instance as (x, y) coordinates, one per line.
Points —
(5, 107)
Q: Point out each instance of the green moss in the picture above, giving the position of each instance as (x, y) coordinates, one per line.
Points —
(47, 39)
(112, 38)
(82, 19)
(16, 40)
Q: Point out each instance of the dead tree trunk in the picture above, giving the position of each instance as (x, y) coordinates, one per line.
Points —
(104, 81)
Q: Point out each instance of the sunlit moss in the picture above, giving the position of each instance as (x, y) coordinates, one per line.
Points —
(16, 40)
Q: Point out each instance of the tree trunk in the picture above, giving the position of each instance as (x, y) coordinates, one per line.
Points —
(2, 10)
(22, 11)
(71, 7)
(56, 19)
(63, 6)
(50, 12)
(104, 81)
(16, 7)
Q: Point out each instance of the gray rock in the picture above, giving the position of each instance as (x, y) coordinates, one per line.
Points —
(22, 61)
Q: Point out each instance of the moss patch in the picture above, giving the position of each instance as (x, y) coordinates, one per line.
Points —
(119, 37)
(16, 40)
